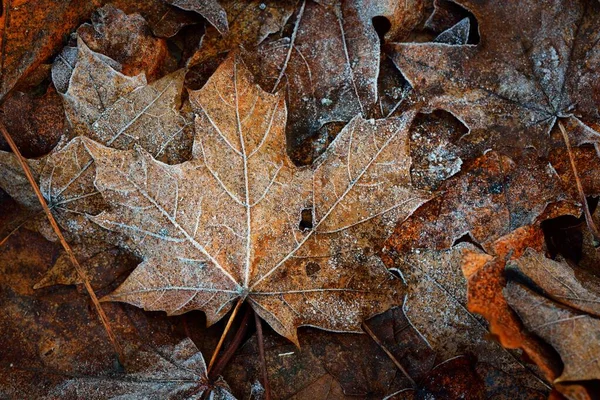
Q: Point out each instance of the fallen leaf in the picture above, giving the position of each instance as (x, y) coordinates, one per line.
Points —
(344, 31)
(40, 132)
(494, 196)
(486, 279)
(436, 307)
(536, 64)
(573, 334)
(24, 45)
(241, 193)
(126, 39)
(250, 23)
(209, 9)
(123, 110)
(170, 372)
(564, 283)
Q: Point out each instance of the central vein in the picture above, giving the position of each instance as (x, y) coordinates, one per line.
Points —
(245, 161)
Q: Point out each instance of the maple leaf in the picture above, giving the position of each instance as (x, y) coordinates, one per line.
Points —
(170, 372)
(226, 224)
(209, 9)
(344, 31)
(121, 111)
(537, 62)
(493, 196)
(127, 40)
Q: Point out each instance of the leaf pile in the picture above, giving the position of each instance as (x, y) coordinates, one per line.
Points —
(404, 192)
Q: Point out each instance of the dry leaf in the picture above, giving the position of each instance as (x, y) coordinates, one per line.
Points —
(171, 372)
(123, 111)
(436, 306)
(573, 334)
(209, 9)
(535, 63)
(564, 283)
(316, 95)
(39, 133)
(250, 23)
(486, 280)
(226, 224)
(126, 39)
(494, 196)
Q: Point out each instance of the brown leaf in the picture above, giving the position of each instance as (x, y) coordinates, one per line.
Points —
(51, 335)
(39, 133)
(241, 193)
(321, 90)
(209, 9)
(564, 283)
(436, 306)
(24, 45)
(322, 362)
(170, 372)
(494, 196)
(123, 111)
(486, 280)
(535, 63)
(126, 39)
(164, 20)
(250, 22)
(573, 334)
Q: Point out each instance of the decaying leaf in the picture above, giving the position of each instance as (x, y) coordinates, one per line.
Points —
(344, 31)
(209, 9)
(41, 131)
(536, 63)
(486, 278)
(436, 306)
(173, 372)
(494, 196)
(564, 283)
(573, 334)
(227, 224)
(126, 39)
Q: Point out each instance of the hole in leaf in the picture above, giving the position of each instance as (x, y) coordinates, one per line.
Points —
(382, 26)
(467, 238)
(312, 268)
(306, 220)
(564, 236)
(448, 14)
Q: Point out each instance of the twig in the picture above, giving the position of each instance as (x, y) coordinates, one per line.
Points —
(389, 354)
(222, 339)
(584, 204)
(63, 242)
(263, 360)
(232, 348)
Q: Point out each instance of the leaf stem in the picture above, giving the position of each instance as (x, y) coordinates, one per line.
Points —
(222, 339)
(232, 348)
(103, 318)
(389, 354)
(586, 210)
(263, 360)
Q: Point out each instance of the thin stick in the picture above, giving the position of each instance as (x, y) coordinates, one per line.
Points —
(63, 242)
(584, 204)
(227, 327)
(389, 354)
(232, 348)
(263, 360)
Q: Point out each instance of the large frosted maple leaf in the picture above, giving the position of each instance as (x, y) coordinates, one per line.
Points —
(241, 221)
